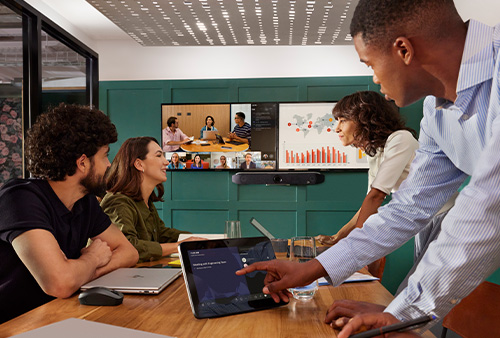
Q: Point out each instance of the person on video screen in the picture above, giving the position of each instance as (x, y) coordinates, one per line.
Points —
(248, 164)
(209, 125)
(175, 163)
(173, 137)
(197, 162)
(242, 131)
(223, 163)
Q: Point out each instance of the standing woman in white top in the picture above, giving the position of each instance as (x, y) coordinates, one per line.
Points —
(368, 122)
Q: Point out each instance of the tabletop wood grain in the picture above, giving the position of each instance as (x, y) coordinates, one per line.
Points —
(169, 313)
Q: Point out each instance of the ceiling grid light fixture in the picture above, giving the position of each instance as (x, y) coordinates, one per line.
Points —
(231, 22)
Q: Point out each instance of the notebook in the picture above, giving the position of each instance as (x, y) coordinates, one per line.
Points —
(136, 280)
(209, 135)
(213, 288)
(79, 328)
(206, 236)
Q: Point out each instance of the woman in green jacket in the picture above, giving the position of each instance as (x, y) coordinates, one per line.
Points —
(134, 182)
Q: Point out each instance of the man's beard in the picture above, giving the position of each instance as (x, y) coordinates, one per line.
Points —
(93, 184)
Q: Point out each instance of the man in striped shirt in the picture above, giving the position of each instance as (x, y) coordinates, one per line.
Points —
(242, 132)
(420, 48)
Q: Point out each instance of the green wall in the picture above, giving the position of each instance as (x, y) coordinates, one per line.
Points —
(201, 201)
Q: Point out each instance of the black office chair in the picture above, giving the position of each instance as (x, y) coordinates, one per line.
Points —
(477, 315)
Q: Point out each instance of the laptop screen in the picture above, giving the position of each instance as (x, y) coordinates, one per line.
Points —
(213, 287)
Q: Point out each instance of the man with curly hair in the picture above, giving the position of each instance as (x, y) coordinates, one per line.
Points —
(47, 220)
(420, 48)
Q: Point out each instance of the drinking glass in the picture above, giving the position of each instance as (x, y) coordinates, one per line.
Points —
(233, 229)
(303, 249)
(280, 247)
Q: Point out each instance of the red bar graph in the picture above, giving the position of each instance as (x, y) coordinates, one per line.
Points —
(317, 156)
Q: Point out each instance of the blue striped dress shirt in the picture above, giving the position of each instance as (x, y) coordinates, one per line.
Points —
(457, 139)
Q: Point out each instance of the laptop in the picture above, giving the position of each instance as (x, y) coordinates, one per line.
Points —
(213, 288)
(79, 328)
(136, 280)
(209, 134)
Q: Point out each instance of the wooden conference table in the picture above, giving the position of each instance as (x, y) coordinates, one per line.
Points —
(213, 146)
(169, 313)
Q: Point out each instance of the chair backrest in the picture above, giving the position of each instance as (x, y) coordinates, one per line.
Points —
(478, 314)
(204, 164)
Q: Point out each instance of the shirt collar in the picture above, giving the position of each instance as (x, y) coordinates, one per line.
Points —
(58, 204)
(476, 66)
(477, 60)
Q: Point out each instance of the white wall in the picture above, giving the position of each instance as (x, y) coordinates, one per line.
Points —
(127, 60)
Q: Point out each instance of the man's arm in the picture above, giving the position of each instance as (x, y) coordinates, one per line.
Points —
(282, 275)
(374, 321)
(57, 275)
(184, 139)
(173, 143)
(369, 207)
(432, 180)
(123, 252)
(235, 137)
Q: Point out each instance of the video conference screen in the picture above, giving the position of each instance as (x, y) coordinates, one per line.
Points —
(255, 136)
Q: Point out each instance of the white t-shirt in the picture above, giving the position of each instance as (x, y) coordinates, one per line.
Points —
(390, 166)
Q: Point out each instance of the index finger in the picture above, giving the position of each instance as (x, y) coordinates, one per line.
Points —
(257, 266)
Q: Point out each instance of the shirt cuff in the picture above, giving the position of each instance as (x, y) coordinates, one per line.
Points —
(405, 311)
(337, 262)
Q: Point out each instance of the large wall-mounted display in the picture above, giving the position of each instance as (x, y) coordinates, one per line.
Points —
(272, 136)
(307, 139)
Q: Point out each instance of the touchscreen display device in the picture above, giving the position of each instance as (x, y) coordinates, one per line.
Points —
(209, 271)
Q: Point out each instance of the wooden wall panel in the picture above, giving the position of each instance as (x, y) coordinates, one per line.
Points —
(192, 118)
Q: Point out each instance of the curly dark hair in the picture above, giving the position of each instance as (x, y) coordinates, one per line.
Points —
(375, 118)
(62, 135)
(380, 22)
(123, 177)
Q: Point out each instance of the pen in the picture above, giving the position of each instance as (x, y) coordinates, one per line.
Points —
(400, 327)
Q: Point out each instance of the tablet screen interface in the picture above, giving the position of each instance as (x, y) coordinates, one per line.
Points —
(215, 290)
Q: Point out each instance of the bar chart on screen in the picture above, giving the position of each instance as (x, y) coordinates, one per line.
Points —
(307, 139)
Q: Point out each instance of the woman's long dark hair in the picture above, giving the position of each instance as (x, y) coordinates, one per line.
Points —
(123, 176)
(375, 118)
(194, 162)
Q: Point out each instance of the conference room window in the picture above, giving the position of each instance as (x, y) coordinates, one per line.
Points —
(11, 80)
(63, 74)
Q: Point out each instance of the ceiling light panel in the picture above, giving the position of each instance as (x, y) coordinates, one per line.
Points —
(231, 22)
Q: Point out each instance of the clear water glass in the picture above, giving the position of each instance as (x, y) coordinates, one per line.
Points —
(233, 229)
(303, 249)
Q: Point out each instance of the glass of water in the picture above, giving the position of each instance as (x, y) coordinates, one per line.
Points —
(303, 249)
(233, 229)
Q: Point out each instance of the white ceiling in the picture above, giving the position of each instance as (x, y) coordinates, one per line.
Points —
(86, 18)
(231, 22)
(93, 28)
